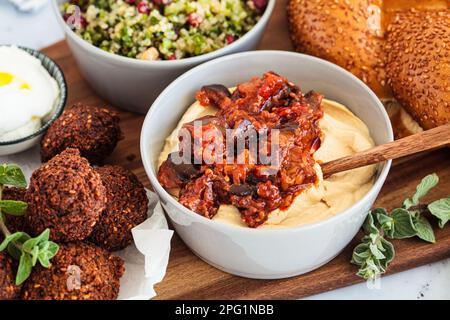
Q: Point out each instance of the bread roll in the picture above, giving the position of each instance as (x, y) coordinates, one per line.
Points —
(418, 64)
(400, 48)
(345, 32)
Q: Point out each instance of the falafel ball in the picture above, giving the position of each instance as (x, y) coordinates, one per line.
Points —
(65, 195)
(92, 130)
(14, 223)
(126, 207)
(8, 288)
(79, 271)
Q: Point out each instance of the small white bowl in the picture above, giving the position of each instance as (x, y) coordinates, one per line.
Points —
(22, 144)
(134, 84)
(265, 253)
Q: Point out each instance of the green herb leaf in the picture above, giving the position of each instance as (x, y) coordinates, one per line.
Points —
(44, 259)
(10, 238)
(52, 249)
(11, 174)
(360, 254)
(370, 270)
(441, 210)
(424, 229)
(34, 255)
(427, 183)
(389, 251)
(14, 251)
(369, 224)
(25, 267)
(384, 219)
(374, 253)
(403, 224)
(29, 244)
(13, 207)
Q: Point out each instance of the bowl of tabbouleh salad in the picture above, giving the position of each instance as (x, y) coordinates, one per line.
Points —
(130, 50)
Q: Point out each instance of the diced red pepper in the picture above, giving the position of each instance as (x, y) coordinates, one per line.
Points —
(260, 4)
(143, 7)
(193, 19)
(230, 39)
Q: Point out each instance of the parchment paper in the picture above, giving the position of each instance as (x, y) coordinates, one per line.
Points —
(146, 260)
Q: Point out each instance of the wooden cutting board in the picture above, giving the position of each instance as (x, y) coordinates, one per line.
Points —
(188, 277)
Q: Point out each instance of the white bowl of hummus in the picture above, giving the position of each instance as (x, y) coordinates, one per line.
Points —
(33, 93)
(277, 219)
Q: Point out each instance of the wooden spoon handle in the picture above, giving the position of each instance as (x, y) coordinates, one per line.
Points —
(427, 140)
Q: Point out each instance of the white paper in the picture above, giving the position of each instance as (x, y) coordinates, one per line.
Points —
(146, 260)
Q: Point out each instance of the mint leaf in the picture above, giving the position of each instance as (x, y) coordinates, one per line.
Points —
(11, 174)
(424, 229)
(13, 207)
(44, 259)
(441, 210)
(52, 249)
(25, 267)
(12, 248)
(403, 224)
(427, 183)
(34, 255)
(14, 251)
(29, 244)
(10, 238)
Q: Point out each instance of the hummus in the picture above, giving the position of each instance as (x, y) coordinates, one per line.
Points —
(343, 134)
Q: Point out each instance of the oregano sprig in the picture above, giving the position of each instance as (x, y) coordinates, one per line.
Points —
(20, 245)
(375, 253)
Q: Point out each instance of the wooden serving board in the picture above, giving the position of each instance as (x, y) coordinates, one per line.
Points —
(188, 277)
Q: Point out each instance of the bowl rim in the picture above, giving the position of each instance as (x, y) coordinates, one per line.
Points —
(162, 193)
(163, 63)
(62, 94)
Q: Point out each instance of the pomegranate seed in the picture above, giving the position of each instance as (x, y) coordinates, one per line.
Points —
(74, 22)
(194, 19)
(260, 4)
(143, 7)
(83, 22)
(66, 16)
(158, 2)
(230, 39)
(173, 56)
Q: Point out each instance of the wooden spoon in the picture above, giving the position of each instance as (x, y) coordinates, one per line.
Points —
(435, 138)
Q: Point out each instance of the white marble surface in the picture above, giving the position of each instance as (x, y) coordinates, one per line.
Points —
(39, 29)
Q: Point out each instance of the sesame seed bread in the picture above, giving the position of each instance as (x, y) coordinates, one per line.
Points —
(338, 32)
(418, 64)
(401, 49)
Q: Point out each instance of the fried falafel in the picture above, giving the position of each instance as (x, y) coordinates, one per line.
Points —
(79, 271)
(8, 288)
(94, 131)
(65, 195)
(14, 223)
(126, 207)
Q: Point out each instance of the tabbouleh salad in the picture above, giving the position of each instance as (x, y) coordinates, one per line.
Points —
(162, 29)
